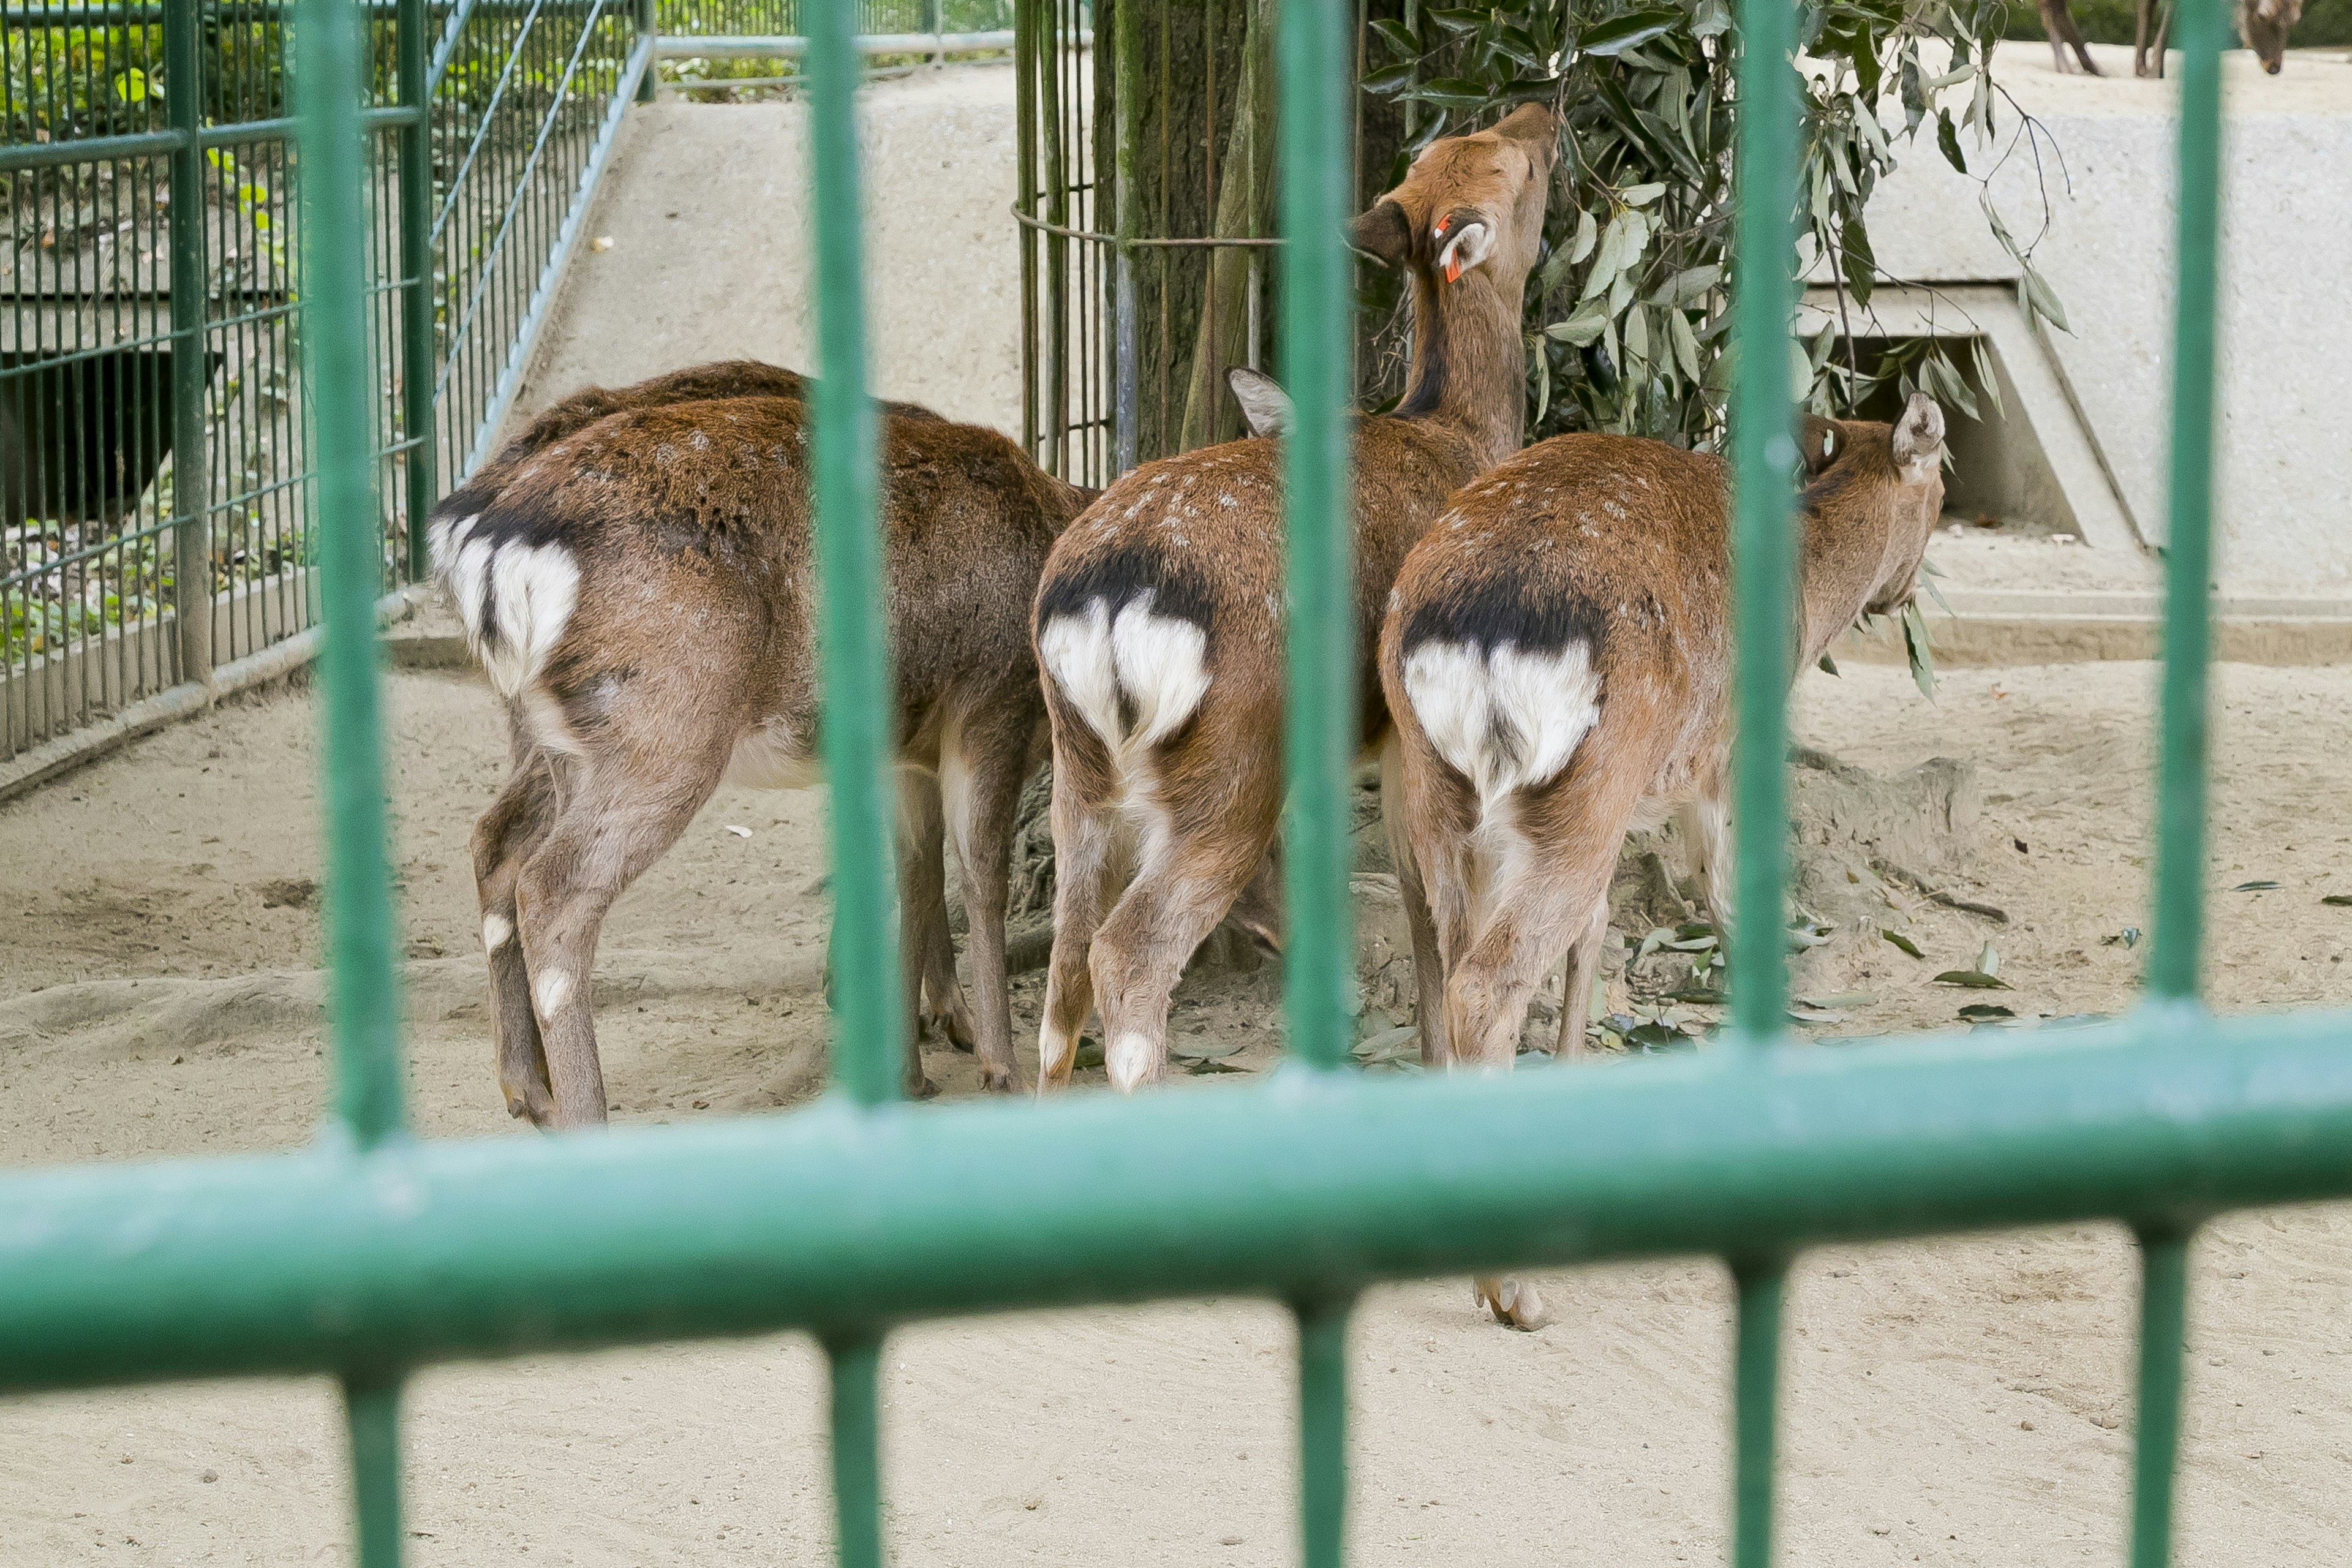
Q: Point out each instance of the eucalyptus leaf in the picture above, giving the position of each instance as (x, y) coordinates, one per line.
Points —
(1643, 194)
(1904, 943)
(1588, 235)
(1973, 980)
(1618, 33)
(2340, 900)
(1985, 1011)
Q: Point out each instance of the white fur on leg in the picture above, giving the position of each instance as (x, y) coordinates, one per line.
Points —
(1054, 1052)
(550, 992)
(497, 930)
(1129, 1058)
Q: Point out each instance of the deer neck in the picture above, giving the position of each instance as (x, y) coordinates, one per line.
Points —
(1467, 372)
(1848, 541)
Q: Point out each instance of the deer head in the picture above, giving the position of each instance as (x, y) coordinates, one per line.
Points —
(2264, 25)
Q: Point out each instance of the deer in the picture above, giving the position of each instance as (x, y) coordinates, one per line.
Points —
(641, 594)
(2263, 25)
(1556, 658)
(943, 1005)
(1159, 620)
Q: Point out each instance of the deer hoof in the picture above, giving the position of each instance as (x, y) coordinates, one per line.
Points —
(921, 1087)
(531, 1101)
(1004, 1080)
(1513, 1303)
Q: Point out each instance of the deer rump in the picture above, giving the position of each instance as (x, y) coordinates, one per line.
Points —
(641, 592)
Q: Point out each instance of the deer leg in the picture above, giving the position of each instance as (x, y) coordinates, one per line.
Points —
(981, 769)
(934, 998)
(504, 837)
(1141, 950)
(1703, 824)
(611, 829)
(1576, 994)
(1083, 844)
(1428, 972)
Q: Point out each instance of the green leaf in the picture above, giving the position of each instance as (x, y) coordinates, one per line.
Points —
(1972, 979)
(1859, 265)
(1987, 961)
(1588, 235)
(1984, 1012)
(2044, 299)
(1710, 18)
(1948, 140)
(1195, 1049)
(1619, 33)
(1643, 196)
(1396, 37)
(2340, 900)
(1637, 337)
(1904, 943)
(1583, 327)
(1844, 999)
(1390, 79)
(1686, 346)
(1920, 650)
(1827, 665)
(2254, 887)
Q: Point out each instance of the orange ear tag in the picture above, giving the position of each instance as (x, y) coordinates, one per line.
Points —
(1454, 269)
(1442, 222)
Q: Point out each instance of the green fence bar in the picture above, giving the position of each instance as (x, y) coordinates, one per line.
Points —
(443, 1249)
(1763, 554)
(419, 369)
(347, 521)
(868, 1023)
(2163, 1327)
(1322, 1429)
(854, 1366)
(2178, 926)
(372, 1422)
(1756, 1409)
(1317, 303)
(192, 555)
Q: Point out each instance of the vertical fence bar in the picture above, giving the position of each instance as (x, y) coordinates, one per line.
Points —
(332, 191)
(372, 1421)
(192, 553)
(855, 1369)
(1756, 1410)
(1762, 552)
(648, 26)
(1127, 83)
(418, 368)
(1317, 299)
(331, 196)
(2163, 1329)
(868, 1031)
(1322, 1430)
(2173, 957)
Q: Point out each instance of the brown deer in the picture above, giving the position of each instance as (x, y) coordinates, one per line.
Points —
(642, 593)
(1160, 619)
(920, 809)
(2264, 25)
(1556, 658)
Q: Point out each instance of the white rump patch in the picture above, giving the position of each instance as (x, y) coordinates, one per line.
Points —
(1158, 663)
(1507, 721)
(532, 590)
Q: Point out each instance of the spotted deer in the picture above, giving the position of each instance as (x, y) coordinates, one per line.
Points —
(641, 593)
(1159, 618)
(1557, 656)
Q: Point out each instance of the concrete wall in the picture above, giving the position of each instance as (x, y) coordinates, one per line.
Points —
(707, 206)
(2285, 389)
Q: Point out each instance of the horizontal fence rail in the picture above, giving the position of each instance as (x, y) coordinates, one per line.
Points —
(371, 1254)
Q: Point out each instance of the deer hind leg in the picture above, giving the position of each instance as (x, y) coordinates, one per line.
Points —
(934, 997)
(1576, 996)
(982, 764)
(1703, 824)
(1085, 845)
(504, 837)
(1175, 901)
(1428, 970)
(612, 827)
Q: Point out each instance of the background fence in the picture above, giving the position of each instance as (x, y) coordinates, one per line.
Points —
(156, 459)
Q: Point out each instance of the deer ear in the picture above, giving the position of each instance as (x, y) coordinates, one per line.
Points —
(1384, 232)
(1919, 439)
(1265, 405)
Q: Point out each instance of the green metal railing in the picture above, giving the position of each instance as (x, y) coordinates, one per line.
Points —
(369, 1253)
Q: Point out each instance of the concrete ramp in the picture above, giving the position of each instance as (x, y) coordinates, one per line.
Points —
(707, 207)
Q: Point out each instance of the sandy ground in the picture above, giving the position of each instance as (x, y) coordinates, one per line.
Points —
(1952, 1402)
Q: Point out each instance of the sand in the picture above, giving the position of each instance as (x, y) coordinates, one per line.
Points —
(1948, 1401)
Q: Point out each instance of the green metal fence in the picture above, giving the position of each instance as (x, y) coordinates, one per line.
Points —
(369, 1253)
(156, 459)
